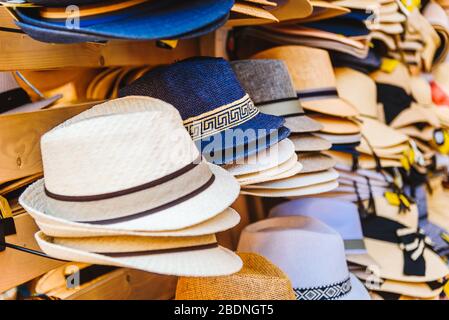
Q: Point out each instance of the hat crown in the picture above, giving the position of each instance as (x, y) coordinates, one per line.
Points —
(265, 80)
(309, 252)
(346, 222)
(136, 141)
(194, 86)
(399, 77)
(359, 89)
(310, 68)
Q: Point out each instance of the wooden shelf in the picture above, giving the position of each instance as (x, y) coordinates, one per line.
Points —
(19, 267)
(20, 52)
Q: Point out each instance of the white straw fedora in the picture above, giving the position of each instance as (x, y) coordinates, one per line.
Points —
(266, 159)
(297, 181)
(284, 170)
(309, 252)
(293, 192)
(131, 166)
(171, 256)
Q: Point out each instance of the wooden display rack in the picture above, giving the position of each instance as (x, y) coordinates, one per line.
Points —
(20, 52)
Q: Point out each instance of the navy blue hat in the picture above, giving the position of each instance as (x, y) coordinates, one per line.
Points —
(67, 37)
(370, 63)
(217, 112)
(150, 20)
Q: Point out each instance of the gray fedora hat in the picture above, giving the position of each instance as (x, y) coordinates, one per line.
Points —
(269, 85)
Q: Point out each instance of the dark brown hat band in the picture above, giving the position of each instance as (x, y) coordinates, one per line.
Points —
(124, 192)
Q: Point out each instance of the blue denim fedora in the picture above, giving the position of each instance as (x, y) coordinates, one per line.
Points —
(148, 21)
(217, 112)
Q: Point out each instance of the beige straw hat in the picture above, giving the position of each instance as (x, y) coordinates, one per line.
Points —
(416, 114)
(324, 10)
(57, 227)
(171, 256)
(335, 125)
(309, 142)
(399, 77)
(267, 159)
(315, 161)
(365, 161)
(411, 289)
(293, 192)
(297, 181)
(359, 90)
(341, 138)
(259, 279)
(247, 14)
(118, 180)
(294, 165)
(380, 135)
(313, 78)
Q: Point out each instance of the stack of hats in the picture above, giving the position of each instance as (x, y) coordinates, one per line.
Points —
(375, 257)
(400, 111)
(135, 192)
(94, 21)
(269, 85)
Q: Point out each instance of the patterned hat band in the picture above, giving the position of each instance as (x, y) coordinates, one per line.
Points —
(317, 94)
(326, 292)
(288, 107)
(222, 118)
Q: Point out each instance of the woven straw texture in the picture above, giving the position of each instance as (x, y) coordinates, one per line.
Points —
(259, 279)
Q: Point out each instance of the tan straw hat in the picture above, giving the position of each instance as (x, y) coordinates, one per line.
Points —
(308, 142)
(315, 161)
(336, 125)
(259, 279)
(313, 78)
(166, 255)
(358, 89)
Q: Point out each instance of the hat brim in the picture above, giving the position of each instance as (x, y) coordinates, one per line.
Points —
(195, 210)
(149, 23)
(334, 125)
(391, 262)
(315, 161)
(246, 139)
(331, 106)
(289, 169)
(297, 181)
(265, 160)
(416, 290)
(57, 227)
(220, 261)
(302, 124)
(294, 192)
(358, 290)
(341, 138)
(307, 142)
